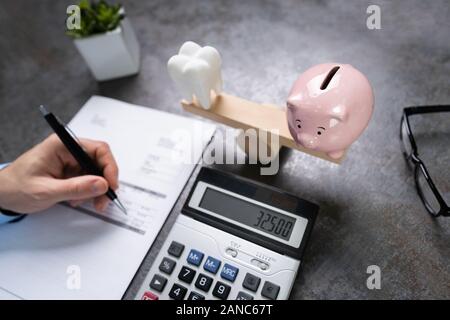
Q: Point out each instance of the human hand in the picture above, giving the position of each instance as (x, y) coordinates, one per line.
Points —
(48, 174)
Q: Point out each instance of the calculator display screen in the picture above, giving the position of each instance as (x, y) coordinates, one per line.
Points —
(248, 213)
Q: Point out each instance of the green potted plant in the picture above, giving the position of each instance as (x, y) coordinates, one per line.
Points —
(106, 40)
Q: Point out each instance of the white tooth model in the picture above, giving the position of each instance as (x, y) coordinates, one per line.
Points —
(196, 72)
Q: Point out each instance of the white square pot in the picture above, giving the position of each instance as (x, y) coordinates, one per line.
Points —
(113, 54)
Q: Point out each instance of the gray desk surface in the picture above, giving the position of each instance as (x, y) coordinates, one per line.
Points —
(370, 213)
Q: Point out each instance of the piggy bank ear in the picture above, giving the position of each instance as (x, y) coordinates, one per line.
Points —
(293, 101)
(339, 113)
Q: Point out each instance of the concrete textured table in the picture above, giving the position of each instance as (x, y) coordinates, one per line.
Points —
(370, 212)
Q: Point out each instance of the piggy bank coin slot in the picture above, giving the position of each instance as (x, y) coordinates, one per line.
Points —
(328, 78)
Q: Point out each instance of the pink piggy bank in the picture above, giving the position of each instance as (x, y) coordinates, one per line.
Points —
(328, 107)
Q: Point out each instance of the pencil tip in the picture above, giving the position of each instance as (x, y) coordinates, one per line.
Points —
(120, 206)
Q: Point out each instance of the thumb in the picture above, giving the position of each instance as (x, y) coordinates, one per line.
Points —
(78, 188)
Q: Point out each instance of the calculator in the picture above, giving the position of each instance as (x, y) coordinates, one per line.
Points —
(235, 239)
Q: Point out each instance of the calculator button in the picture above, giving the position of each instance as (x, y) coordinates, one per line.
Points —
(264, 266)
(212, 265)
(229, 272)
(244, 296)
(186, 274)
(195, 257)
(221, 290)
(251, 282)
(167, 265)
(259, 264)
(158, 282)
(177, 292)
(195, 296)
(231, 252)
(175, 249)
(270, 290)
(203, 282)
(149, 296)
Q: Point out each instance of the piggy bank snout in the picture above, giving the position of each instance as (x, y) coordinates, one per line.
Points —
(307, 140)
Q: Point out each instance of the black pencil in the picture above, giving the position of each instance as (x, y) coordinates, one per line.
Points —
(83, 159)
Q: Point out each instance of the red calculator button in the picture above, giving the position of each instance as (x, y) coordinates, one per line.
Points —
(149, 296)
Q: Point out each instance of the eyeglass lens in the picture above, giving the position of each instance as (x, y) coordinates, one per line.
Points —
(426, 192)
(407, 147)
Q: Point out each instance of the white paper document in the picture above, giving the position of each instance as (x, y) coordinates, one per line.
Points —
(78, 253)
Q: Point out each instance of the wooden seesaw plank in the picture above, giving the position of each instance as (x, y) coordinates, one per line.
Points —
(240, 113)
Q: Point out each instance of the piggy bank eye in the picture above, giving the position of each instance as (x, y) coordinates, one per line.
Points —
(320, 130)
(298, 123)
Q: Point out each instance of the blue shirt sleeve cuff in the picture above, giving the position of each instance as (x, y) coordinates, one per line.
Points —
(3, 217)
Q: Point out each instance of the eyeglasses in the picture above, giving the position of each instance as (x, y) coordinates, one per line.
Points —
(431, 197)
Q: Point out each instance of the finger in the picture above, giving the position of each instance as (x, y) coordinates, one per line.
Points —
(66, 162)
(101, 203)
(53, 151)
(101, 153)
(78, 188)
(70, 171)
(76, 203)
